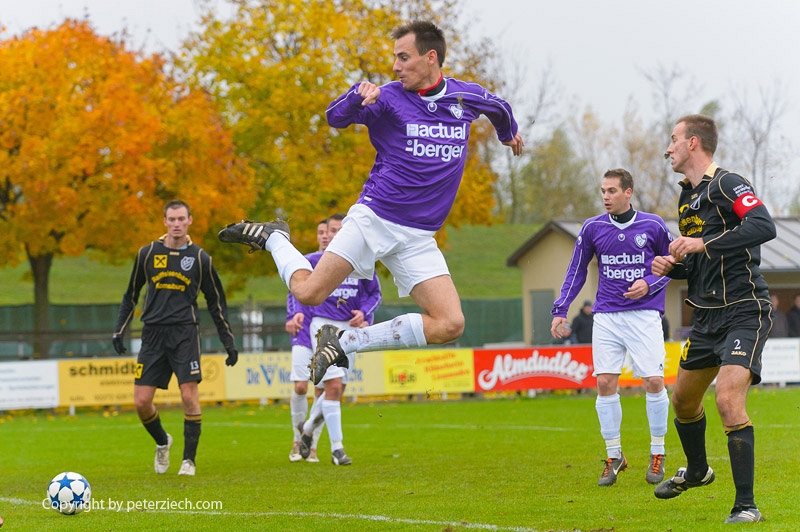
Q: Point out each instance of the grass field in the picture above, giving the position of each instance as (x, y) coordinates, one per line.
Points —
(476, 256)
(506, 464)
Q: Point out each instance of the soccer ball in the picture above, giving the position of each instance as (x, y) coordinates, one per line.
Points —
(69, 493)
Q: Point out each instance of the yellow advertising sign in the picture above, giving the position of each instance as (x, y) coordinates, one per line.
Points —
(109, 381)
(429, 371)
(366, 375)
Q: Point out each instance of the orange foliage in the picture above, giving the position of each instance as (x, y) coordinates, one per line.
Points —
(94, 139)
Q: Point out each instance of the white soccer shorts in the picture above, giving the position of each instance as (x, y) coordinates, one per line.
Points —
(410, 254)
(637, 332)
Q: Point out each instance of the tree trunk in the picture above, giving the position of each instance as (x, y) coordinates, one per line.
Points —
(40, 267)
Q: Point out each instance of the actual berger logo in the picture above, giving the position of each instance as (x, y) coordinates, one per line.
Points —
(159, 261)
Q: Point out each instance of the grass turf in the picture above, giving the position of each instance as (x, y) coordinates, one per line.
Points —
(504, 464)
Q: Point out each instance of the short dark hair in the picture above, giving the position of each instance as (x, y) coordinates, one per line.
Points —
(704, 128)
(427, 36)
(625, 177)
(336, 216)
(177, 204)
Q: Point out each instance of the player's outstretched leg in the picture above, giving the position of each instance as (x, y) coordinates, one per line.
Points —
(253, 234)
(329, 351)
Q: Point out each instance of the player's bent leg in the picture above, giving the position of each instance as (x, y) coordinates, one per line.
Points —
(313, 287)
(443, 319)
(733, 383)
(690, 387)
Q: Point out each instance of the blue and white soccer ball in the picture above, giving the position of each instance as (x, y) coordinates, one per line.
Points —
(69, 493)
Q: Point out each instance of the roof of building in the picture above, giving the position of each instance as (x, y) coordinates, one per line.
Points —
(782, 254)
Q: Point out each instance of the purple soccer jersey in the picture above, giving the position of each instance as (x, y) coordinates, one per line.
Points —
(624, 254)
(352, 294)
(421, 144)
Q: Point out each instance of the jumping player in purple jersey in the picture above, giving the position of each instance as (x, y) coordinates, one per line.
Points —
(419, 127)
(628, 310)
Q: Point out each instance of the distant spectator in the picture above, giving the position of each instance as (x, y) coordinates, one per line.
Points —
(582, 324)
(780, 323)
(793, 318)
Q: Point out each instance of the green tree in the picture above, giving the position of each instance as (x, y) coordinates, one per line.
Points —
(556, 183)
(93, 140)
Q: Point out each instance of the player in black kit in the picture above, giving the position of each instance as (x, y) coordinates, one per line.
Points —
(722, 225)
(175, 270)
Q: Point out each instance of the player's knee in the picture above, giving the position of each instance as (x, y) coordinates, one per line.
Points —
(308, 297)
(453, 328)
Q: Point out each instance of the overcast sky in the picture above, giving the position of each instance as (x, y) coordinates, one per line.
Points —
(597, 49)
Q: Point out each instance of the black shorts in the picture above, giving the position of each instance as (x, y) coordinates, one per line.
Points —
(732, 335)
(168, 349)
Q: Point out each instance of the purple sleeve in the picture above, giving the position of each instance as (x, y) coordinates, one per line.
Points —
(370, 295)
(344, 110)
(663, 239)
(575, 278)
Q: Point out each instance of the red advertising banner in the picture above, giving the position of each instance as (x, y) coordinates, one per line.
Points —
(534, 368)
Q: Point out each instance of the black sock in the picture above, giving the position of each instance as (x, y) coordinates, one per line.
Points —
(191, 436)
(693, 440)
(153, 426)
(741, 445)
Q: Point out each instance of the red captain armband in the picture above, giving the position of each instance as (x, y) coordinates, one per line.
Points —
(745, 203)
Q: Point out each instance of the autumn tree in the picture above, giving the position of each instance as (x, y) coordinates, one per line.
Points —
(556, 183)
(275, 65)
(94, 139)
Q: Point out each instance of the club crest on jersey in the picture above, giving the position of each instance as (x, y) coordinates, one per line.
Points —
(640, 240)
(187, 263)
(432, 107)
(457, 111)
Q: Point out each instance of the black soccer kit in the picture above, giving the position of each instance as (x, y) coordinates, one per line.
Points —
(170, 335)
(731, 301)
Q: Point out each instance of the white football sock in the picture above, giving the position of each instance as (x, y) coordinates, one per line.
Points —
(657, 406)
(398, 333)
(298, 406)
(609, 412)
(315, 418)
(332, 410)
(287, 259)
